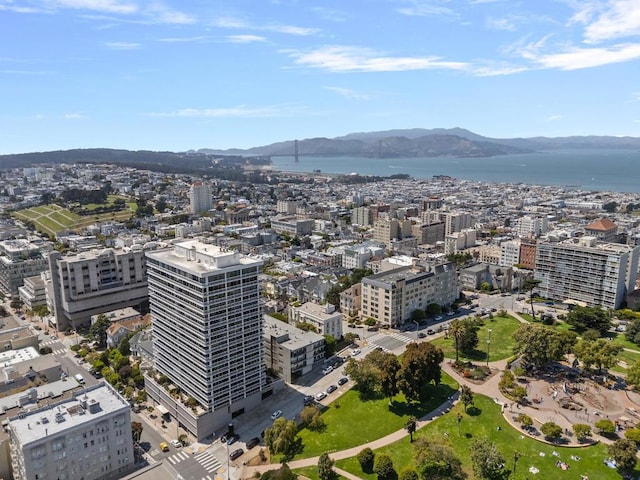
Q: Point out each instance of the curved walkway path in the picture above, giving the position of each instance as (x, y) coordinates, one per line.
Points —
(488, 388)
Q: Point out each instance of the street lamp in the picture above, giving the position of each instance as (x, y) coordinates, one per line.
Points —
(459, 421)
(516, 456)
(488, 345)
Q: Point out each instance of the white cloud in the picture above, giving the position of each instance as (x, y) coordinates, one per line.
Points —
(621, 19)
(245, 39)
(160, 13)
(239, 111)
(107, 6)
(122, 45)
(348, 93)
(425, 8)
(554, 118)
(201, 38)
(503, 23)
(236, 23)
(575, 58)
(636, 96)
(356, 59)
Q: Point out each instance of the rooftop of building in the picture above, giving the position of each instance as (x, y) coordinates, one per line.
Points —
(12, 357)
(602, 225)
(317, 310)
(119, 315)
(297, 338)
(21, 331)
(200, 258)
(86, 405)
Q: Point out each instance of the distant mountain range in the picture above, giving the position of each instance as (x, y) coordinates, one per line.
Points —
(437, 142)
(415, 142)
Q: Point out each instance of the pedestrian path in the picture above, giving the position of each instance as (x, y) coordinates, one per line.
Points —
(208, 461)
(178, 457)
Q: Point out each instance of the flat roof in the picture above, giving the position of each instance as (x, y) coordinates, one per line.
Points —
(87, 405)
(12, 357)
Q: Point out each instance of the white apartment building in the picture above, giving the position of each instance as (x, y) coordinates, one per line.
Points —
(85, 437)
(95, 282)
(361, 216)
(356, 257)
(287, 207)
(391, 296)
(292, 225)
(586, 270)
(20, 259)
(323, 317)
(32, 292)
(528, 226)
(455, 221)
(290, 351)
(200, 197)
(509, 253)
(458, 241)
(207, 332)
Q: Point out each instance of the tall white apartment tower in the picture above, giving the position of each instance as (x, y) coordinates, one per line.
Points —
(207, 331)
(200, 197)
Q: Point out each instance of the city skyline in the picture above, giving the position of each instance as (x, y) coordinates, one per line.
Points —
(171, 75)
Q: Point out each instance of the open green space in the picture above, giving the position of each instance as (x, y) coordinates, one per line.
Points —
(351, 421)
(501, 347)
(51, 219)
(482, 422)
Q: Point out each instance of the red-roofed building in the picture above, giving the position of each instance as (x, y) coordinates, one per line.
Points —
(603, 229)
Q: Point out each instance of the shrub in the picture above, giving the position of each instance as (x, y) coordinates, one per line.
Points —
(551, 430)
(366, 458)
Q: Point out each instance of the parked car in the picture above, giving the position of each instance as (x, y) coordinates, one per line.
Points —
(176, 443)
(343, 380)
(276, 414)
(331, 388)
(355, 352)
(233, 439)
(421, 335)
(431, 332)
(308, 400)
(438, 318)
(327, 370)
(451, 313)
(320, 396)
(236, 454)
(253, 442)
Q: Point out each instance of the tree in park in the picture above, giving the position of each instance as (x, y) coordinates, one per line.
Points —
(411, 425)
(605, 427)
(383, 467)
(98, 331)
(624, 452)
(525, 420)
(364, 376)
(540, 345)
(600, 353)
(389, 376)
(486, 460)
(465, 335)
(325, 467)
(583, 318)
(632, 333)
(529, 285)
(581, 431)
(633, 434)
(466, 397)
(633, 375)
(551, 430)
(408, 474)
(281, 438)
(283, 473)
(365, 459)
(420, 366)
(311, 418)
(437, 461)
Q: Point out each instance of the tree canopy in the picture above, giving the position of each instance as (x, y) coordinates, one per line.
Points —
(600, 353)
(281, 438)
(486, 460)
(436, 461)
(539, 344)
(583, 318)
(420, 366)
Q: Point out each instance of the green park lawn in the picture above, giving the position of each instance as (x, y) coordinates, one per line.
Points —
(502, 330)
(482, 422)
(351, 421)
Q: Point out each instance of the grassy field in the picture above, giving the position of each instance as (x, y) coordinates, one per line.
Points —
(351, 421)
(482, 424)
(502, 330)
(51, 219)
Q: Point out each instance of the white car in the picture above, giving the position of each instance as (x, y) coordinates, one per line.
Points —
(327, 370)
(176, 443)
(276, 414)
(438, 318)
(355, 352)
(320, 396)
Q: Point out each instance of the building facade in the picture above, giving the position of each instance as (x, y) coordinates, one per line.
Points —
(85, 437)
(19, 259)
(96, 282)
(200, 197)
(585, 270)
(324, 318)
(207, 331)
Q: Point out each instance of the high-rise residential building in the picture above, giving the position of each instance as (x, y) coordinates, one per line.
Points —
(207, 333)
(528, 247)
(536, 226)
(456, 221)
(361, 216)
(390, 297)
(20, 259)
(200, 197)
(95, 282)
(510, 253)
(87, 436)
(458, 241)
(586, 270)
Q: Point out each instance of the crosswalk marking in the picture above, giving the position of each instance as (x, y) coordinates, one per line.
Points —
(59, 351)
(208, 461)
(178, 457)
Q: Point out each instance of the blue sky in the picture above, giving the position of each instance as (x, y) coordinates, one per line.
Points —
(178, 75)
